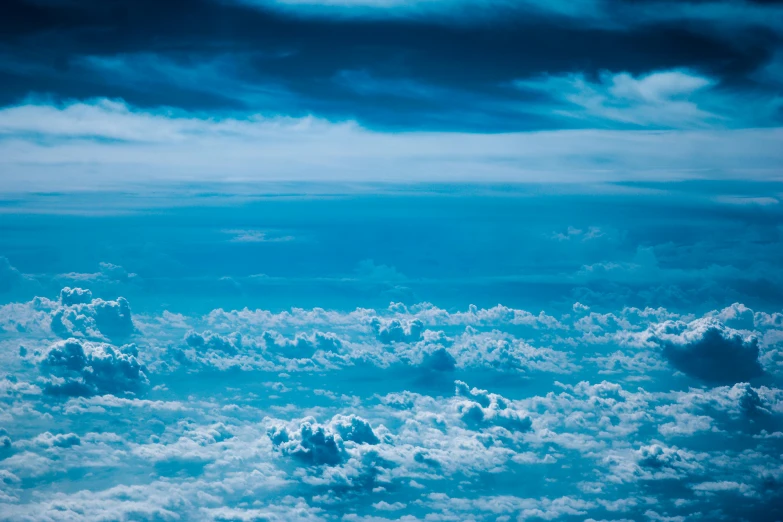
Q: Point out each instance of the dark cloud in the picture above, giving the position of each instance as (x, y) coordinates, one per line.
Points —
(717, 355)
(439, 360)
(208, 55)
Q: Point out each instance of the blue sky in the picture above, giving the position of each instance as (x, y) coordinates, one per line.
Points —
(352, 260)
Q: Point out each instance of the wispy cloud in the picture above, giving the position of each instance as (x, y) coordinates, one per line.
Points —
(614, 15)
(257, 236)
(663, 99)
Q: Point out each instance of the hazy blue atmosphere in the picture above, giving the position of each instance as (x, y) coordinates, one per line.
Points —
(417, 260)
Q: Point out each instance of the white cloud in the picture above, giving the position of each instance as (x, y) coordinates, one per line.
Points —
(661, 99)
(107, 143)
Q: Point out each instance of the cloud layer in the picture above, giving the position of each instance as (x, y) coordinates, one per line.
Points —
(314, 414)
(105, 144)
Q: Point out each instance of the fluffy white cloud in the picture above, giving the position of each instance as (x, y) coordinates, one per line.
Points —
(76, 368)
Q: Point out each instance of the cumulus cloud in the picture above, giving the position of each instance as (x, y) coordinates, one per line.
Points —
(210, 341)
(484, 409)
(355, 429)
(317, 444)
(663, 462)
(82, 368)
(60, 440)
(74, 296)
(395, 331)
(311, 443)
(439, 360)
(302, 345)
(504, 352)
(80, 314)
(712, 352)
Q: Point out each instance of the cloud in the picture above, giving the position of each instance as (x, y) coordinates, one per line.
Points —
(80, 314)
(506, 353)
(257, 236)
(368, 271)
(81, 368)
(9, 276)
(114, 272)
(666, 463)
(115, 140)
(5, 439)
(355, 429)
(484, 409)
(391, 438)
(60, 440)
(396, 331)
(451, 9)
(393, 337)
(438, 360)
(714, 353)
(210, 341)
(576, 233)
(317, 444)
(434, 65)
(588, 12)
(723, 486)
(302, 345)
(74, 296)
(660, 99)
(107, 274)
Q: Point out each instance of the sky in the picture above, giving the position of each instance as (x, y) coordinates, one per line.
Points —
(97, 94)
(380, 260)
